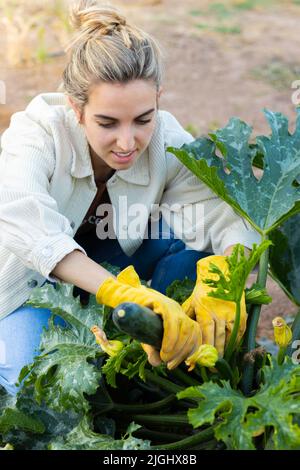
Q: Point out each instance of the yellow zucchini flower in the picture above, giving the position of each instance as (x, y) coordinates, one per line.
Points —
(111, 347)
(282, 332)
(206, 355)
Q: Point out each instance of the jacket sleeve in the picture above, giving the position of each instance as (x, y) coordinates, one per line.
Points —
(197, 216)
(31, 225)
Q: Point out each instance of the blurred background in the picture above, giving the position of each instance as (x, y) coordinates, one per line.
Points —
(222, 59)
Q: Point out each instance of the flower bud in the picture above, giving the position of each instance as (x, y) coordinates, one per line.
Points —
(206, 355)
(282, 332)
(111, 347)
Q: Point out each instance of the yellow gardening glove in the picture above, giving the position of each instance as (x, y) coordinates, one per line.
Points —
(182, 335)
(215, 316)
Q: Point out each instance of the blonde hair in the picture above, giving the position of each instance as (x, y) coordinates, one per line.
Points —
(105, 48)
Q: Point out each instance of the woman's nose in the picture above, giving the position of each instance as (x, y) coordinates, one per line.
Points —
(126, 141)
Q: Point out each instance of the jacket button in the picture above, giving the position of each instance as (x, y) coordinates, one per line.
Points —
(72, 224)
(47, 251)
(32, 283)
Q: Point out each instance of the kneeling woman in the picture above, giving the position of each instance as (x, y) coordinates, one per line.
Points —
(101, 143)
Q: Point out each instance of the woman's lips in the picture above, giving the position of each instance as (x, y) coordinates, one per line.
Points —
(120, 159)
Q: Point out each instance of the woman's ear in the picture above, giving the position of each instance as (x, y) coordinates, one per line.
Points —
(75, 108)
(159, 92)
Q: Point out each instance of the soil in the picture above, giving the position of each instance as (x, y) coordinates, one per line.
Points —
(222, 59)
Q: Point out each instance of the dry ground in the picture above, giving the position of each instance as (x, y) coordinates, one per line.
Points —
(223, 59)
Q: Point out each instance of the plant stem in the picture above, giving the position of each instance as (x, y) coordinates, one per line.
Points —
(207, 445)
(190, 441)
(162, 419)
(162, 382)
(157, 436)
(203, 373)
(247, 380)
(224, 369)
(233, 336)
(157, 405)
(186, 379)
(281, 355)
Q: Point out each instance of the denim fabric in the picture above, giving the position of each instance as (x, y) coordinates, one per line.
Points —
(20, 334)
(162, 259)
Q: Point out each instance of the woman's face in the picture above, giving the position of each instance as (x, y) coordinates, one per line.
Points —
(119, 121)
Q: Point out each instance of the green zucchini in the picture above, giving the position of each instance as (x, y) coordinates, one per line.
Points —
(139, 322)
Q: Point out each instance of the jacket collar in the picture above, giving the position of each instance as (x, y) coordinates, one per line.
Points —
(53, 109)
(81, 165)
(138, 173)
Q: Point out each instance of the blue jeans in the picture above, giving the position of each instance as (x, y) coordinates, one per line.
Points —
(162, 260)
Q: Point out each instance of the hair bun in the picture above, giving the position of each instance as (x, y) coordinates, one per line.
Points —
(91, 15)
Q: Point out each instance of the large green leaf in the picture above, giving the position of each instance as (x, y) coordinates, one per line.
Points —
(83, 438)
(13, 418)
(276, 405)
(228, 404)
(264, 202)
(285, 257)
(63, 373)
(6, 400)
(30, 426)
(130, 361)
(180, 290)
(60, 300)
(66, 369)
(239, 267)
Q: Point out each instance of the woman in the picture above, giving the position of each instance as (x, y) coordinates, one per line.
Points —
(102, 144)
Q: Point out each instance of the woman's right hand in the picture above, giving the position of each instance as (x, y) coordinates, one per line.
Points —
(182, 335)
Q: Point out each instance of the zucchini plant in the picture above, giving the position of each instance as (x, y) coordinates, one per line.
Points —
(224, 161)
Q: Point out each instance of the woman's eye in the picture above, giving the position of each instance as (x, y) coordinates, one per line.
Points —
(142, 123)
(105, 125)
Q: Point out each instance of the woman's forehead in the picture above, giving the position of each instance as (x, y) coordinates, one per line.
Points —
(137, 93)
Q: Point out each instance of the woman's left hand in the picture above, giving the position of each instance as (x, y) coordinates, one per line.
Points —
(215, 316)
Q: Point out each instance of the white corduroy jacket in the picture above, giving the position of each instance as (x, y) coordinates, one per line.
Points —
(47, 185)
